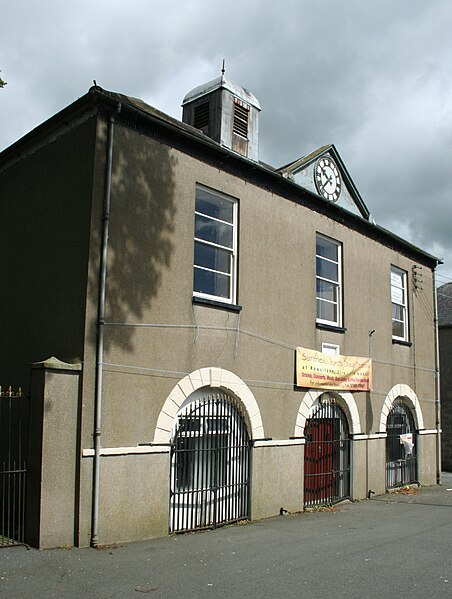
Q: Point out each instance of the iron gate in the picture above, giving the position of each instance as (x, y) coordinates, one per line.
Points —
(13, 468)
(326, 455)
(401, 458)
(210, 465)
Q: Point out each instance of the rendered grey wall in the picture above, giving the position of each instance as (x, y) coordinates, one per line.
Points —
(149, 289)
(427, 459)
(277, 480)
(376, 465)
(53, 460)
(135, 497)
(45, 207)
(156, 336)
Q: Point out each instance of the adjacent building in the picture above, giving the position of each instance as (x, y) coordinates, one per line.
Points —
(204, 338)
(445, 352)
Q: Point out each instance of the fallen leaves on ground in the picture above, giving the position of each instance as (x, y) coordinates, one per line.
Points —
(321, 508)
(407, 491)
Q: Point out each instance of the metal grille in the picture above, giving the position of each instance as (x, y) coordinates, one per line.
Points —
(210, 465)
(13, 469)
(401, 458)
(327, 455)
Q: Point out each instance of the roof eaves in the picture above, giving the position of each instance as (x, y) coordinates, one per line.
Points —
(329, 148)
(85, 105)
(369, 225)
(97, 95)
(350, 184)
(191, 132)
(304, 160)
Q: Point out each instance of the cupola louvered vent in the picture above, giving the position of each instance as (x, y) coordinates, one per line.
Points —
(227, 113)
(240, 126)
(202, 116)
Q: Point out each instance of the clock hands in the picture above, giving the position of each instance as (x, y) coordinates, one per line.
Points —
(329, 179)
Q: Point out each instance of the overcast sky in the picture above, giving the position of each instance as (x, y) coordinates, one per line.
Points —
(372, 77)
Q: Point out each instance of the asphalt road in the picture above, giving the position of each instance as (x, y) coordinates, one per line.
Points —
(397, 545)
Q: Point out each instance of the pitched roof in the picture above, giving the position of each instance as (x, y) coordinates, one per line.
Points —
(187, 138)
(444, 294)
(301, 163)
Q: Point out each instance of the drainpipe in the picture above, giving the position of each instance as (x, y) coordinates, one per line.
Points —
(371, 352)
(437, 387)
(371, 334)
(101, 327)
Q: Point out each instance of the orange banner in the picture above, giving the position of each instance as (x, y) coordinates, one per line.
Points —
(340, 373)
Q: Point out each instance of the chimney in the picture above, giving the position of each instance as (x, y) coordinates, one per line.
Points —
(227, 113)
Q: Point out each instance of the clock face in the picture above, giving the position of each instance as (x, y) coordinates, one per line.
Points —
(327, 178)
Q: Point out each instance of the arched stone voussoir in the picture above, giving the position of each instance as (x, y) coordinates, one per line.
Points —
(404, 392)
(345, 400)
(209, 377)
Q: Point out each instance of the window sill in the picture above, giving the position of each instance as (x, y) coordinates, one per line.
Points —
(216, 304)
(330, 327)
(401, 342)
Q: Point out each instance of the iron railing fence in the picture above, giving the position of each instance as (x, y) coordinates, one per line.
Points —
(401, 458)
(401, 472)
(14, 406)
(210, 465)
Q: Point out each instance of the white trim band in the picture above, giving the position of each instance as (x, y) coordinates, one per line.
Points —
(145, 449)
(278, 442)
(431, 431)
(363, 437)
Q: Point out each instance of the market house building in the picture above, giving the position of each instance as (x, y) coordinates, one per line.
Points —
(168, 294)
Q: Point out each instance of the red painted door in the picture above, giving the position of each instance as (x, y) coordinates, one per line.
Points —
(319, 461)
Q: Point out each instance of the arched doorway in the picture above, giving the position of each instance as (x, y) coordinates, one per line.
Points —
(401, 458)
(210, 463)
(327, 454)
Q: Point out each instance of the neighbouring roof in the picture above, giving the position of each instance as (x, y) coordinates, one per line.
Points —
(444, 294)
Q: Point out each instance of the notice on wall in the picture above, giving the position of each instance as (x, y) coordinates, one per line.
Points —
(340, 373)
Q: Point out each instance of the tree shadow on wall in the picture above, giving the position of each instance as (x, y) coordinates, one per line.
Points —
(140, 232)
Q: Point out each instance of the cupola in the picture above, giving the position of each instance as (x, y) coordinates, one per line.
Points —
(225, 112)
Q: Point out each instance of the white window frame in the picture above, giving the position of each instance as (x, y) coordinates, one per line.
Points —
(330, 349)
(337, 284)
(399, 297)
(232, 299)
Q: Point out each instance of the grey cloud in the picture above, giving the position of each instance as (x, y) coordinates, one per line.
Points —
(374, 78)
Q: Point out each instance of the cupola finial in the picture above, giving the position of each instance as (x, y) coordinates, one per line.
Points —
(223, 70)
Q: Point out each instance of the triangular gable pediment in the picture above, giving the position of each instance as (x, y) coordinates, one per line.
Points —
(324, 173)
